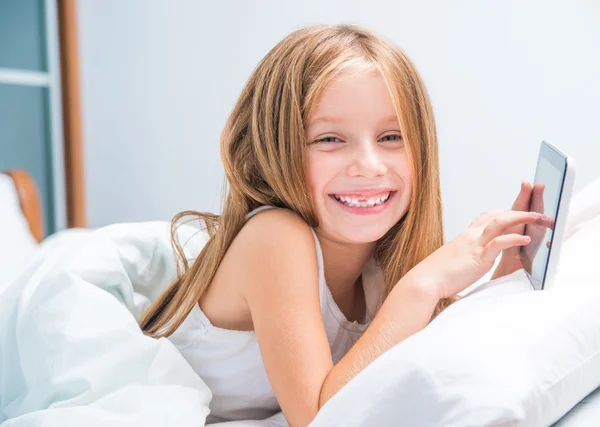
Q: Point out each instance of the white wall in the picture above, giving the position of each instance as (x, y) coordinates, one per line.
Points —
(159, 79)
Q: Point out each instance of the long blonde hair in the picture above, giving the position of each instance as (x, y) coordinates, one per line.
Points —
(262, 148)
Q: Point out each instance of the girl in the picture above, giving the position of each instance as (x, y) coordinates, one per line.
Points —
(329, 249)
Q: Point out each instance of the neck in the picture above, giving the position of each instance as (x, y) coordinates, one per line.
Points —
(343, 264)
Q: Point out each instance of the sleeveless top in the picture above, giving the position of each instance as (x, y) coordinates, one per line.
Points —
(229, 361)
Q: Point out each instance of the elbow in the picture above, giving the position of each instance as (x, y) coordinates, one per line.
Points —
(301, 420)
(324, 395)
(302, 417)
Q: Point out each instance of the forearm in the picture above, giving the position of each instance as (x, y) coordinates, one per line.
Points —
(407, 310)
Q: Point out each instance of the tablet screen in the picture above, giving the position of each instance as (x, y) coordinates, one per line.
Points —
(545, 198)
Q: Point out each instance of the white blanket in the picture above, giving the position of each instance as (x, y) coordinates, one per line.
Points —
(71, 351)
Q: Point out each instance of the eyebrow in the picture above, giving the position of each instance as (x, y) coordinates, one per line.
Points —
(334, 119)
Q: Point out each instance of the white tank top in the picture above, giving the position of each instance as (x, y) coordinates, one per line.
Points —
(229, 361)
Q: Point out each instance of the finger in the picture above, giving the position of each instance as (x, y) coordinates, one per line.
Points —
(498, 224)
(548, 244)
(537, 197)
(522, 201)
(546, 221)
(493, 248)
(522, 204)
(485, 217)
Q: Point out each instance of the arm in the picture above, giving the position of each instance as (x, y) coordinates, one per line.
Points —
(407, 310)
(278, 252)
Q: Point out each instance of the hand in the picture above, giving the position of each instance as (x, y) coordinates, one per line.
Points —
(461, 262)
(529, 199)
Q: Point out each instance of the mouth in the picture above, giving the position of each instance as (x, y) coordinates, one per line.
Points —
(358, 203)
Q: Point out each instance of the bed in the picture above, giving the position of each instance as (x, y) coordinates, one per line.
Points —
(155, 374)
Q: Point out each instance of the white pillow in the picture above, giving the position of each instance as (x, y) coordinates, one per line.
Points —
(504, 355)
(17, 243)
(585, 207)
(522, 358)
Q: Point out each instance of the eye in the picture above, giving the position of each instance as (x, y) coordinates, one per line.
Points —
(327, 140)
(391, 138)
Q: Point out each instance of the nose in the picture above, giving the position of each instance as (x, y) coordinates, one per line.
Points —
(367, 161)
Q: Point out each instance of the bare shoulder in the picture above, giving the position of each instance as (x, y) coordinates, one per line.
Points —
(275, 226)
(274, 237)
(274, 248)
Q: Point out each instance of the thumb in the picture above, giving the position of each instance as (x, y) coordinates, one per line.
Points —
(522, 201)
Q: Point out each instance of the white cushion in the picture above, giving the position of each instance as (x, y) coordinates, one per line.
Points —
(17, 243)
(504, 355)
(585, 207)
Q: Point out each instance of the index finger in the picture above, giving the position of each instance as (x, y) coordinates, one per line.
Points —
(546, 221)
(504, 220)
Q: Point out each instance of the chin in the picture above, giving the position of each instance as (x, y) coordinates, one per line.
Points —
(362, 235)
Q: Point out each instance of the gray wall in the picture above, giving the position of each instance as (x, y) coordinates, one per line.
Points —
(159, 79)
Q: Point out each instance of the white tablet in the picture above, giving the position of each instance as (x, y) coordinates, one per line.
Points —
(553, 185)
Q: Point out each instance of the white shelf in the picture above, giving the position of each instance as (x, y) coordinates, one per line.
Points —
(24, 77)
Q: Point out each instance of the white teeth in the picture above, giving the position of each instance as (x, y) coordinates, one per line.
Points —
(362, 203)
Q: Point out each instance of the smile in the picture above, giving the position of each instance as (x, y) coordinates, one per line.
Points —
(363, 204)
(362, 201)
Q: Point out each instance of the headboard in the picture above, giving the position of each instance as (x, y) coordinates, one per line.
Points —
(29, 200)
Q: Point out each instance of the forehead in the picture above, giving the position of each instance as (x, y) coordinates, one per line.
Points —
(351, 96)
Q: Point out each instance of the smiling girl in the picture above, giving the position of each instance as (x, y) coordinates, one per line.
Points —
(329, 249)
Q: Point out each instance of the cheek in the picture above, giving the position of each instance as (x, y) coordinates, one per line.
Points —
(320, 171)
(311, 170)
(403, 169)
(408, 190)
(401, 166)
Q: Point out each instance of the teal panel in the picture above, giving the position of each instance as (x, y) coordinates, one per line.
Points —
(25, 141)
(22, 35)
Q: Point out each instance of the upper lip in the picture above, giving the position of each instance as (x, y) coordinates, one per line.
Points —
(365, 192)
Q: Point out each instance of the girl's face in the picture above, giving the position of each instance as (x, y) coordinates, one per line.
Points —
(357, 164)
